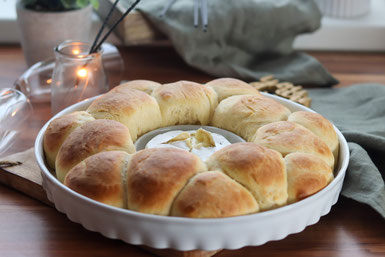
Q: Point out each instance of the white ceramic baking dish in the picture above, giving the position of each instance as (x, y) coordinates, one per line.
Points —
(186, 233)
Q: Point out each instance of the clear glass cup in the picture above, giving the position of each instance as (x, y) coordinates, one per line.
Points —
(77, 75)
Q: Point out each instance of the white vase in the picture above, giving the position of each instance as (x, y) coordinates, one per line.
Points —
(344, 8)
(42, 31)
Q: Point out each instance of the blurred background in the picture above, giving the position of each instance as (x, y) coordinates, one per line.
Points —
(342, 28)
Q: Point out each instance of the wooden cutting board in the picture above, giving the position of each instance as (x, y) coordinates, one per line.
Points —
(21, 172)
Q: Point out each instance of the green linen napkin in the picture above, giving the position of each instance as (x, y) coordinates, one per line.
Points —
(359, 112)
(246, 39)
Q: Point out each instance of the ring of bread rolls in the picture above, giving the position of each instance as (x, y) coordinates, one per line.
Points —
(286, 157)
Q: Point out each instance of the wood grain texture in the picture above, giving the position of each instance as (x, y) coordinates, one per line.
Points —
(353, 68)
(25, 177)
(29, 228)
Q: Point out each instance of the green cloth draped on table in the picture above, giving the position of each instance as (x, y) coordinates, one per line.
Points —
(359, 112)
(246, 39)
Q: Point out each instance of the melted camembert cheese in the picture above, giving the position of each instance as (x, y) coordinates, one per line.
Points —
(200, 142)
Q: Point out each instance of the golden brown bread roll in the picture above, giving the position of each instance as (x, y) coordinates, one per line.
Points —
(138, 111)
(91, 138)
(97, 157)
(185, 102)
(289, 137)
(155, 176)
(225, 87)
(99, 177)
(244, 114)
(320, 126)
(306, 175)
(58, 130)
(259, 169)
(213, 195)
(147, 86)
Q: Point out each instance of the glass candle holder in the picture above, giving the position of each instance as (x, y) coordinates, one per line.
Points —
(15, 115)
(77, 75)
(36, 81)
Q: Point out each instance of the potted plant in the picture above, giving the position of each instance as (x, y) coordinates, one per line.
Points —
(46, 23)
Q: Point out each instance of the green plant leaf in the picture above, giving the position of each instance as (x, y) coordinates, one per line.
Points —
(95, 4)
(58, 5)
(69, 4)
(82, 3)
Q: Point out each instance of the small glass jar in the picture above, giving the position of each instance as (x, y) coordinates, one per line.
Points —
(77, 75)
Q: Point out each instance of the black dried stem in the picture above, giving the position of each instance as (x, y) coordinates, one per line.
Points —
(103, 26)
(115, 24)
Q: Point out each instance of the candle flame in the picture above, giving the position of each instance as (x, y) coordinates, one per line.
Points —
(49, 81)
(82, 73)
(76, 51)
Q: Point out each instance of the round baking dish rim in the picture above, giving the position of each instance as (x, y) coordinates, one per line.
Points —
(191, 221)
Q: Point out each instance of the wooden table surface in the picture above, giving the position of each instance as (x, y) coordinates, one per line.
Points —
(30, 228)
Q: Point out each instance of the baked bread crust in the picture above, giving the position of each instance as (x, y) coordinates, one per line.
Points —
(306, 175)
(91, 138)
(58, 130)
(226, 87)
(289, 137)
(212, 194)
(320, 126)
(99, 177)
(185, 102)
(261, 170)
(155, 176)
(138, 111)
(244, 114)
(146, 86)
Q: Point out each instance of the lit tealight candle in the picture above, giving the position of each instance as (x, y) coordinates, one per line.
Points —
(76, 51)
(82, 73)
